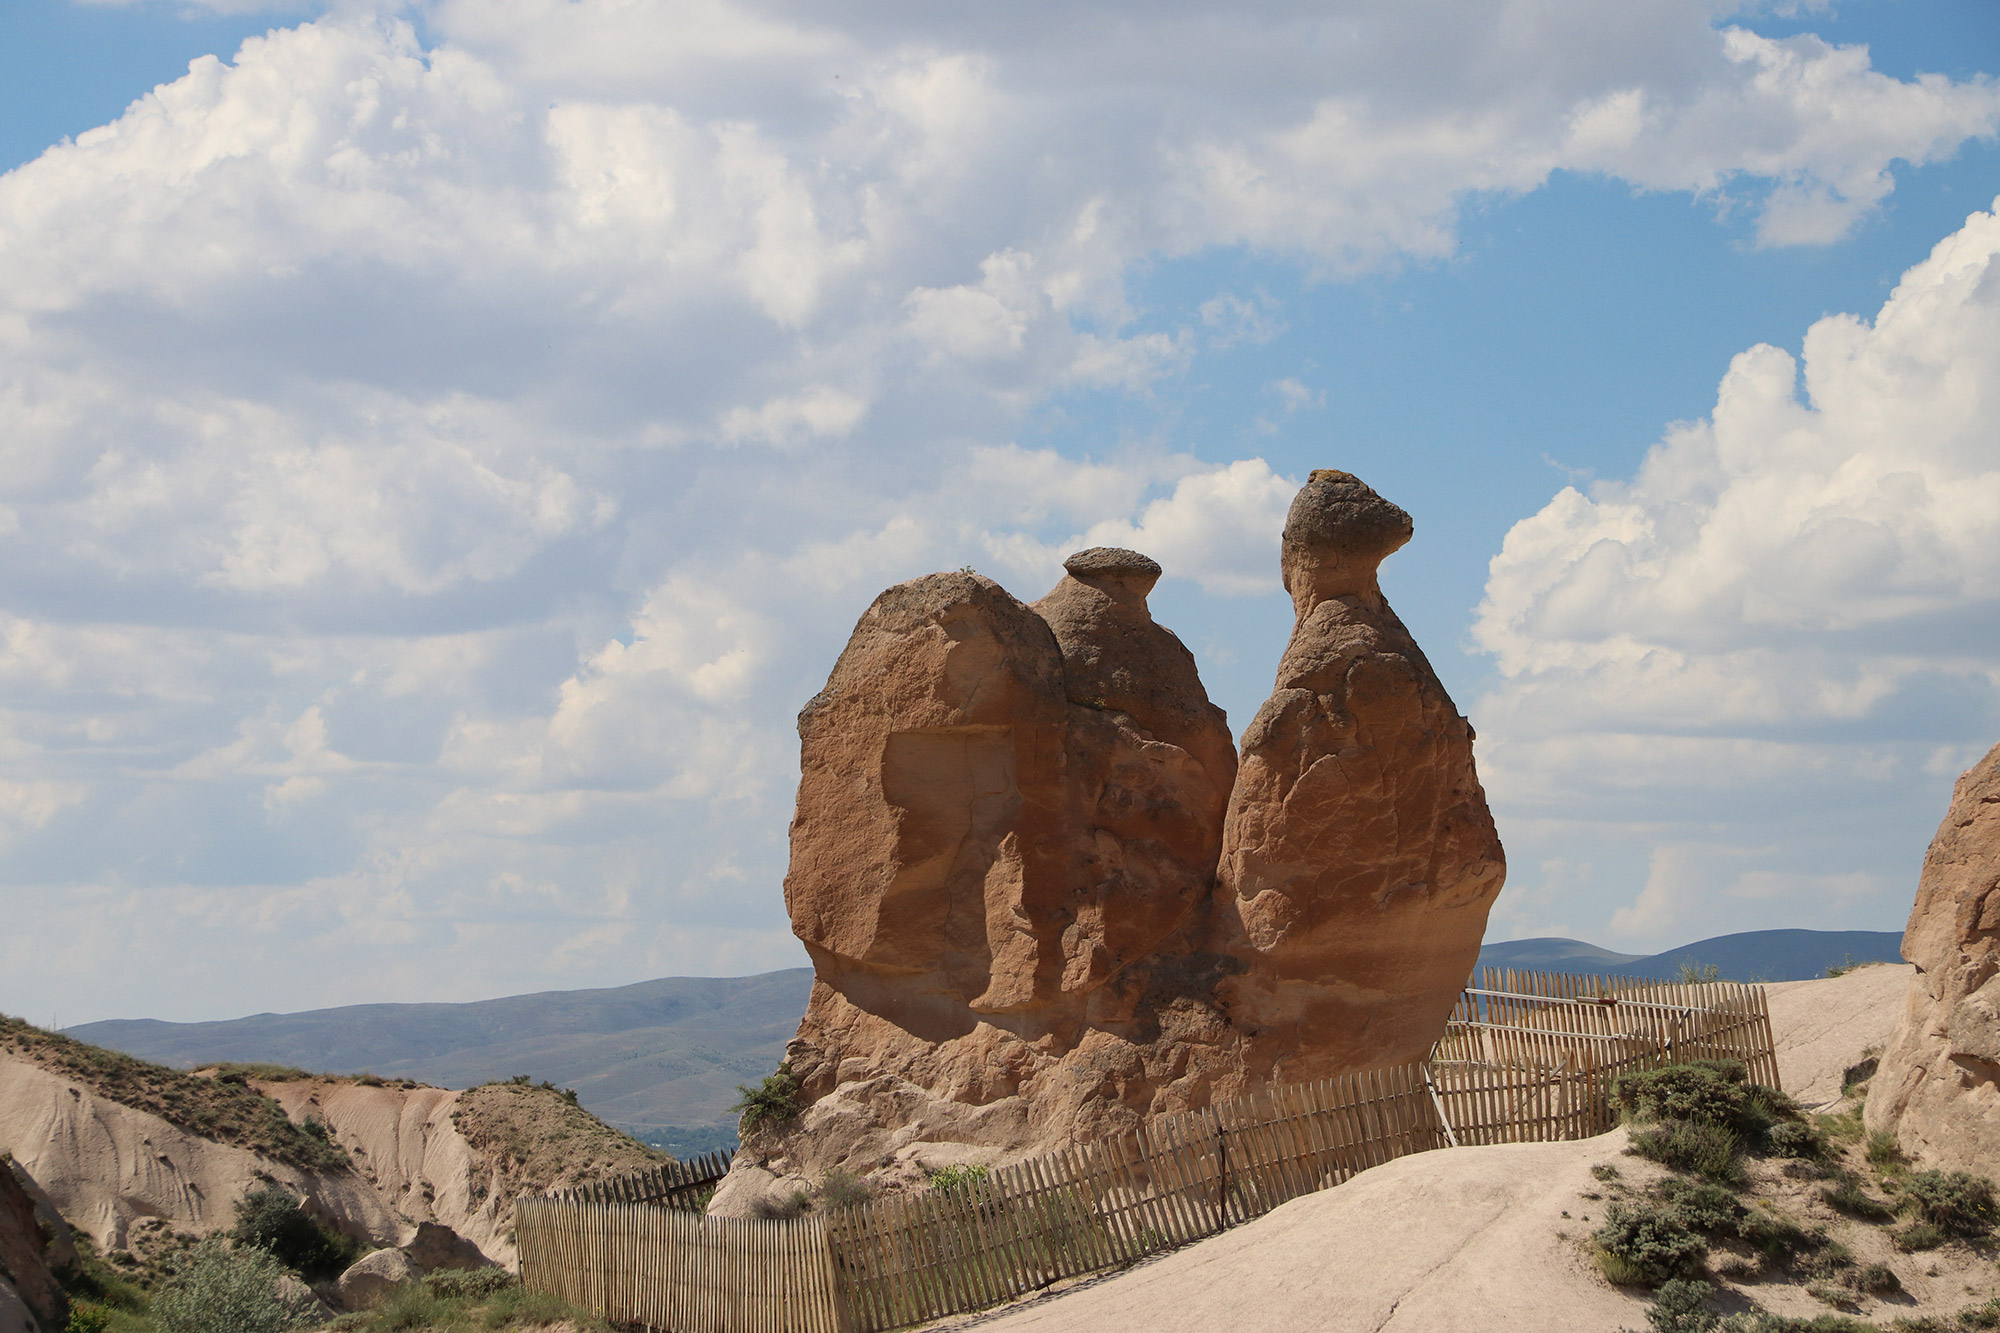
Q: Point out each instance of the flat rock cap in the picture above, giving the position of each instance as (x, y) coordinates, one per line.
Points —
(1337, 510)
(1102, 560)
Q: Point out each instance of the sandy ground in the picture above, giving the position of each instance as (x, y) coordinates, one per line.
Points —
(1822, 1028)
(1465, 1238)
(1482, 1238)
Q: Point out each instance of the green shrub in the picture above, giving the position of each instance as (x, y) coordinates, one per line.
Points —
(843, 1189)
(1980, 1316)
(1681, 1306)
(1604, 1171)
(1763, 1321)
(472, 1282)
(952, 1179)
(1777, 1237)
(772, 1102)
(1884, 1154)
(271, 1219)
(1700, 1205)
(1796, 1138)
(1875, 1279)
(1953, 1201)
(86, 1317)
(1844, 1127)
(1846, 1195)
(1689, 1145)
(1918, 1236)
(1704, 1093)
(1646, 1244)
(223, 1288)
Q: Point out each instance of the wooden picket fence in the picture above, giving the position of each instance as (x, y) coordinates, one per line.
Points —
(1526, 1057)
(665, 1268)
(672, 1184)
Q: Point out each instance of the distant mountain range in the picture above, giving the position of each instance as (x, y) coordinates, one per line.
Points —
(660, 1059)
(663, 1058)
(1752, 955)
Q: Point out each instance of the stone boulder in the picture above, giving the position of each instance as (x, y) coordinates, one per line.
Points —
(1359, 858)
(1937, 1086)
(368, 1282)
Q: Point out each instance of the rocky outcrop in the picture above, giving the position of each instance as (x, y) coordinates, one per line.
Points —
(1937, 1087)
(25, 1260)
(1004, 861)
(106, 1166)
(370, 1279)
(1359, 859)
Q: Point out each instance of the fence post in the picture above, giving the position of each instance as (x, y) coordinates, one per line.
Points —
(1222, 1175)
(1450, 1138)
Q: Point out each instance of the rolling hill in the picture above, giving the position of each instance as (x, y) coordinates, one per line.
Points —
(662, 1058)
(1753, 955)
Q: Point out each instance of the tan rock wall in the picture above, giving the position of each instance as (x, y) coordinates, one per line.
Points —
(1938, 1085)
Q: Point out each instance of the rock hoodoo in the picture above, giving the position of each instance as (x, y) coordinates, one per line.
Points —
(1359, 859)
(1938, 1084)
(1005, 860)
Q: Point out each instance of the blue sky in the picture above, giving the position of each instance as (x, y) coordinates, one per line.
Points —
(447, 442)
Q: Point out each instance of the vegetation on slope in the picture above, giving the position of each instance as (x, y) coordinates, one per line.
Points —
(223, 1108)
(1764, 1197)
(540, 1139)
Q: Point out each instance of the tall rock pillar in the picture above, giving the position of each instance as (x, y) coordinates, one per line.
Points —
(1358, 858)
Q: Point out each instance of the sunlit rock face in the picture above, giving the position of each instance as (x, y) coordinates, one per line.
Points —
(1005, 860)
(1937, 1087)
(1359, 859)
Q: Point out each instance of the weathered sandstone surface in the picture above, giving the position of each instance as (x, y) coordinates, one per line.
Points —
(107, 1166)
(1938, 1085)
(1005, 855)
(405, 1146)
(1359, 859)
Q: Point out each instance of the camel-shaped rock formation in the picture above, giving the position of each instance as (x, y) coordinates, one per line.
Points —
(1045, 900)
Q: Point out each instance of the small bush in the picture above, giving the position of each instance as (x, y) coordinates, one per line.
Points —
(772, 1102)
(1847, 1196)
(1875, 1279)
(843, 1189)
(1763, 1321)
(952, 1179)
(1645, 1245)
(85, 1317)
(1605, 1171)
(1681, 1306)
(271, 1219)
(223, 1288)
(1688, 1145)
(1980, 1316)
(1953, 1201)
(1798, 1139)
(1703, 1093)
(1777, 1237)
(1884, 1154)
(1844, 1127)
(1917, 1236)
(1701, 1205)
(468, 1282)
